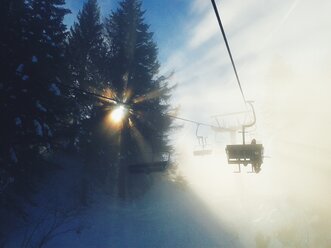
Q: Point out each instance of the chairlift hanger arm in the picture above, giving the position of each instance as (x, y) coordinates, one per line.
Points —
(197, 130)
(254, 115)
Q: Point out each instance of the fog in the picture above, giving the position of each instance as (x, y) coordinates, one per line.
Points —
(283, 57)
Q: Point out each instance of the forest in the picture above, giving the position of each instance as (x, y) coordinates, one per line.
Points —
(60, 87)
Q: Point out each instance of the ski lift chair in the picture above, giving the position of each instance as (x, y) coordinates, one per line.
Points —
(159, 163)
(202, 143)
(245, 154)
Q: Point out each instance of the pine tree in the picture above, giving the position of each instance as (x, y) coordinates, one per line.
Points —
(43, 109)
(86, 58)
(134, 73)
(35, 115)
(85, 54)
(85, 50)
(12, 18)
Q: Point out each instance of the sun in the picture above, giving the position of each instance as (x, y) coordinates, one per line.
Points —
(118, 114)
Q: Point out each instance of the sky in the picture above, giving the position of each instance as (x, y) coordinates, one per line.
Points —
(282, 53)
(164, 17)
(283, 56)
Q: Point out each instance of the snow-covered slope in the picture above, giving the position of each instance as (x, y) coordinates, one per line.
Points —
(168, 215)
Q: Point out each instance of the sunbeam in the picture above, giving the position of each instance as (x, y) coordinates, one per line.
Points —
(144, 148)
(149, 96)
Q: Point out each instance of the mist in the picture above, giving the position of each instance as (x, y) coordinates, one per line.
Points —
(283, 57)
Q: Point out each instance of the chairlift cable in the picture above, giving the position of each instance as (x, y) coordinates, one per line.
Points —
(254, 151)
(228, 48)
(86, 92)
(115, 101)
(191, 121)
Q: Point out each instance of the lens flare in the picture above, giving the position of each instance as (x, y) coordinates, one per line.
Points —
(118, 114)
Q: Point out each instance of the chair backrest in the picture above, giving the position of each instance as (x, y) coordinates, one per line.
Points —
(244, 154)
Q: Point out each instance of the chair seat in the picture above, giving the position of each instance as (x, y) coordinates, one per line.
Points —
(202, 152)
(245, 154)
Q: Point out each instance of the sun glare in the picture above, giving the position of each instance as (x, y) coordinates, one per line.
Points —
(118, 114)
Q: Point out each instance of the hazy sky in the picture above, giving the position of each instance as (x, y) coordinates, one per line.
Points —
(283, 56)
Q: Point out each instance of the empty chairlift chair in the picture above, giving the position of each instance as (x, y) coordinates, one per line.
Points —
(203, 147)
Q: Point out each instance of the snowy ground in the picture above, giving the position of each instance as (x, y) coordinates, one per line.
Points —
(167, 216)
(286, 205)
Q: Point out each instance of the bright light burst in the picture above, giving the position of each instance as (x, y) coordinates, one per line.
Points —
(118, 114)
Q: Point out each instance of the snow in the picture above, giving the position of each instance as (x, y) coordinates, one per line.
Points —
(54, 89)
(173, 214)
(38, 128)
(47, 37)
(18, 121)
(13, 156)
(34, 59)
(40, 107)
(20, 69)
(166, 216)
(49, 132)
(25, 78)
